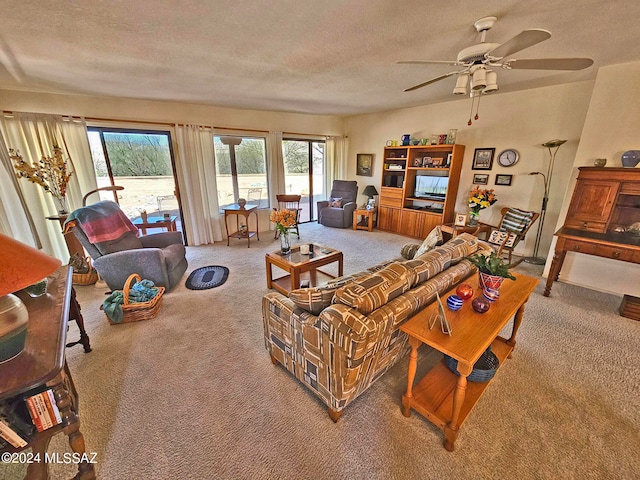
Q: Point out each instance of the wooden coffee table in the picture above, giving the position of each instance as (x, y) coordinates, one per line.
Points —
(442, 397)
(301, 267)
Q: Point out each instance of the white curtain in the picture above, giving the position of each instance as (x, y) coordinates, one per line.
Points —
(35, 135)
(275, 173)
(15, 218)
(336, 158)
(197, 173)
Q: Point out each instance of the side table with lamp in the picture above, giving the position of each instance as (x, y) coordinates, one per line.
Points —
(367, 211)
(32, 350)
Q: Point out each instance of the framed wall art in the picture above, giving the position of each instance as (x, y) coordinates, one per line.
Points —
(480, 178)
(503, 180)
(483, 158)
(364, 166)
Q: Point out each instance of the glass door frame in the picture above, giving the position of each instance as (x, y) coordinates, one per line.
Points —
(140, 131)
(310, 142)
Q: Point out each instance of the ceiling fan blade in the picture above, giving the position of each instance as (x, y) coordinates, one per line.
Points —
(525, 39)
(428, 62)
(433, 80)
(550, 64)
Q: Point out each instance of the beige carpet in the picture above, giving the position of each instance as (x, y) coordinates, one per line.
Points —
(192, 394)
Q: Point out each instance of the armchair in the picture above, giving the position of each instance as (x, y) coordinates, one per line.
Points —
(514, 225)
(338, 210)
(111, 240)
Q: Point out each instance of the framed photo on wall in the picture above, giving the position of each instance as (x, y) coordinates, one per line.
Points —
(461, 219)
(503, 180)
(364, 166)
(483, 158)
(480, 178)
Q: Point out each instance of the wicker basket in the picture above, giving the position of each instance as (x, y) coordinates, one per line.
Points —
(483, 370)
(135, 312)
(86, 278)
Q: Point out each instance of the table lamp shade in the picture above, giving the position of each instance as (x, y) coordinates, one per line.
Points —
(370, 191)
(20, 266)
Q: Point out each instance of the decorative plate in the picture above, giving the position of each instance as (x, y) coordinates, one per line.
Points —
(631, 158)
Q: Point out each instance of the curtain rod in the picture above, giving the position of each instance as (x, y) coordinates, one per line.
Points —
(167, 124)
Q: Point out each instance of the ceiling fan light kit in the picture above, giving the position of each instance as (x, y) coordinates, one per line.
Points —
(478, 61)
(461, 85)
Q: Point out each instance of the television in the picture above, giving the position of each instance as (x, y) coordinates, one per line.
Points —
(431, 187)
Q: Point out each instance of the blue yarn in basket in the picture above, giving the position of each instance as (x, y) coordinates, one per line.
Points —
(483, 370)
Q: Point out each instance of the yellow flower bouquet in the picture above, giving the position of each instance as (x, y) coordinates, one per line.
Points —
(480, 199)
(284, 219)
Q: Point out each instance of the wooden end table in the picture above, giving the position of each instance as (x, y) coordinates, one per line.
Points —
(367, 218)
(443, 398)
(42, 364)
(300, 267)
(455, 230)
(238, 211)
(156, 222)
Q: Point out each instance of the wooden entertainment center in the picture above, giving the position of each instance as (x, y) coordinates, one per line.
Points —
(399, 209)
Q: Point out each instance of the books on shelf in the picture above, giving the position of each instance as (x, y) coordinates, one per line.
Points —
(15, 427)
(43, 410)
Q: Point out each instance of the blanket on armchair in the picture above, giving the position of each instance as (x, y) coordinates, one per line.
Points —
(101, 222)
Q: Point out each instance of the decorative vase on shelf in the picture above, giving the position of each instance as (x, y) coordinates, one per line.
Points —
(473, 218)
(61, 205)
(285, 243)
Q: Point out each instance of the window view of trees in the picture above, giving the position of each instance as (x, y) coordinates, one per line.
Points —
(140, 161)
(138, 155)
(241, 170)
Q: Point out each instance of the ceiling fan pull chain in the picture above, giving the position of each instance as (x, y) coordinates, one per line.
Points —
(477, 108)
(473, 99)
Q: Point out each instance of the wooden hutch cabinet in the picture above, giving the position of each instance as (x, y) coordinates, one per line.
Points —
(419, 188)
(605, 202)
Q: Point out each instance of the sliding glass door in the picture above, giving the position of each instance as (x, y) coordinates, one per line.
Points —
(141, 161)
(304, 173)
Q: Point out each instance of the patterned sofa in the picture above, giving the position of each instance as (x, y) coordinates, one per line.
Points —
(340, 338)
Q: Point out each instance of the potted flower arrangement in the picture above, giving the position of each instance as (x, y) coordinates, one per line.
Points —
(479, 199)
(492, 269)
(284, 220)
(51, 173)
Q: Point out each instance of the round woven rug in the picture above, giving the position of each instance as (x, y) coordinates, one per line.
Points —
(204, 278)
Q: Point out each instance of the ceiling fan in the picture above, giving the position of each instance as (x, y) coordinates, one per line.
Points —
(478, 62)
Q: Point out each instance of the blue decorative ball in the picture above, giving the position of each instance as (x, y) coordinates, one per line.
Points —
(454, 302)
(491, 294)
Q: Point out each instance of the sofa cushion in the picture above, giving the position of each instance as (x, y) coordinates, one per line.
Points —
(372, 291)
(314, 299)
(428, 265)
(429, 243)
(461, 246)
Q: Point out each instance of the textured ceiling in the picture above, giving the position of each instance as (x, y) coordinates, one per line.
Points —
(319, 57)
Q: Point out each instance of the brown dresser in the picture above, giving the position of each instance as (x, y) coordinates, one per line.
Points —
(605, 200)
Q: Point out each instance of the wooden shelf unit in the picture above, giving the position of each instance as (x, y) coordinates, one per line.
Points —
(604, 201)
(399, 210)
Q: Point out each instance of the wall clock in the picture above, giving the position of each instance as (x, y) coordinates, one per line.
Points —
(508, 157)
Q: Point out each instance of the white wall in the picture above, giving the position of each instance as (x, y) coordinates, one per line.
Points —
(611, 128)
(170, 112)
(520, 120)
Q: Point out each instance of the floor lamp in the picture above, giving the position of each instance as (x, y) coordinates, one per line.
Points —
(550, 145)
